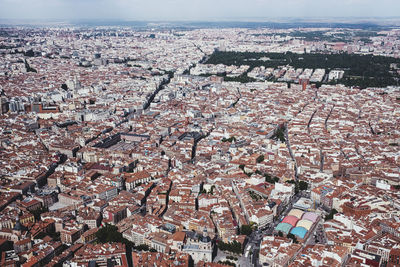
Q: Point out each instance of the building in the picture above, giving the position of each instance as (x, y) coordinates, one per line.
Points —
(394, 257)
(298, 223)
(88, 236)
(199, 247)
(89, 217)
(71, 233)
(30, 204)
(114, 214)
(278, 251)
(101, 255)
(133, 179)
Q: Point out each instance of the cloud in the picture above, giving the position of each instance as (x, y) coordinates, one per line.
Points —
(193, 9)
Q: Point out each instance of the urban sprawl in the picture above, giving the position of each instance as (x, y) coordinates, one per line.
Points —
(201, 147)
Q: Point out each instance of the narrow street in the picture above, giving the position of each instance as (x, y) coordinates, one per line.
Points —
(290, 150)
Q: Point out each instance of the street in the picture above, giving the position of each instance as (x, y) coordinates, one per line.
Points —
(254, 240)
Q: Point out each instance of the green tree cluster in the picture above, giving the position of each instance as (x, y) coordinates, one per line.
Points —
(254, 196)
(36, 213)
(270, 179)
(299, 185)
(293, 237)
(109, 233)
(226, 262)
(246, 229)
(360, 70)
(232, 258)
(211, 192)
(243, 78)
(230, 139)
(29, 53)
(303, 185)
(29, 68)
(260, 158)
(279, 134)
(330, 215)
(234, 247)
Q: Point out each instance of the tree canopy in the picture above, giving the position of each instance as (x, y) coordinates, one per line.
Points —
(246, 230)
(360, 70)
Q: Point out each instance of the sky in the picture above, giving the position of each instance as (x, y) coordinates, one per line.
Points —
(194, 10)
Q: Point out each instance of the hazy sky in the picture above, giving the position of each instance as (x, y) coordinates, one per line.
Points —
(194, 9)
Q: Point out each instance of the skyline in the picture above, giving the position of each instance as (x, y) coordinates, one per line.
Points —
(179, 10)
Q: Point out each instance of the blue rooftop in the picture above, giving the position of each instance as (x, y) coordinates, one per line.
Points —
(283, 227)
(299, 232)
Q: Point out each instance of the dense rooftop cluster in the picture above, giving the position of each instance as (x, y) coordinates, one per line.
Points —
(121, 147)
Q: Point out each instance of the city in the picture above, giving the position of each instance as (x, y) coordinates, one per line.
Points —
(168, 146)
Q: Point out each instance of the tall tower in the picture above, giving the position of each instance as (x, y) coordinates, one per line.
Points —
(304, 83)
(4, 105)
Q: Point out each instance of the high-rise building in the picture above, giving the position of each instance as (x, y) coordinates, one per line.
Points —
(4, 105)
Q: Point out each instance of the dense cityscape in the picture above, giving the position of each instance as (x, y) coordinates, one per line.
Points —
(168, 146)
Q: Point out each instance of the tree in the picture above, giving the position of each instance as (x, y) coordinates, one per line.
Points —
(248, 174)
(253, 225)
(293, 237)
(243, 78)
(299, 185)
(230, 139)
(279, 134)
(29, 53)
(234, 246)
(303, 185)
(142, 247)
(260, 159)
(330, 215)
(36, 213)
(269, 179)
(280, 234)
(109, 233)
(361, 70)
(28, 67)
(227, 263)
(212, 189)
(246, 230)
